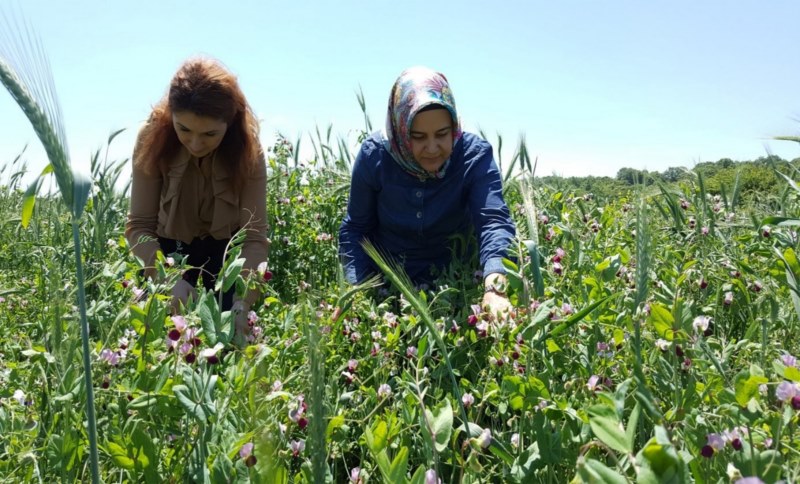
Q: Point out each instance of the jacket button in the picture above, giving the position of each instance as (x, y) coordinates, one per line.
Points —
(419, 214)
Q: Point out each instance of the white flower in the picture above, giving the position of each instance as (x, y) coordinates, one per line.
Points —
(515, 440)
(662, 344)
(700, 323)
(19, 396)
(384, 391)
(209, 352)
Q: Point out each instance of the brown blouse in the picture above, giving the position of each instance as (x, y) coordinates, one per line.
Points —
(194, 198)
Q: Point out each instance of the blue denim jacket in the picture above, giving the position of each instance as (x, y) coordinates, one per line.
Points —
(413, 220)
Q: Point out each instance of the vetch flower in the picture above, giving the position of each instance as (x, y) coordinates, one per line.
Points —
(355, 475)
(592, 384)
(786, 391)
(700, 323)
(704, 230)
(277, 386)
(749, 480)
(19, 396)
(515, 440)
(352, 364)
(707, 451)
(789, 360)
(558, 269)
(431, 477)
(485, 439)
(467, 399)
(560, 253)
(246, 450)
(348, 376)
(716, 442)
(384, 391)
(662, 344)
(411, 352)
(297, 447)
(728, 298)
(210, 354)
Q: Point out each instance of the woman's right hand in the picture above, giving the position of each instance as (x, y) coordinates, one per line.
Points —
(182, 291)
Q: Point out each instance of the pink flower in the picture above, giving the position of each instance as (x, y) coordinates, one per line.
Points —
(297, 447)
(786, 391)
(179, 322)
(559, 255)
(431, 477)
(467, 399)
(355, 475)
(352, 365)
(789, 360)
(592, 384)
(728, 298)
(411, 352)
(704, 230)
(558, 269)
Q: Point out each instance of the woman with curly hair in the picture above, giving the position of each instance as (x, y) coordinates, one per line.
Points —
(199, 177)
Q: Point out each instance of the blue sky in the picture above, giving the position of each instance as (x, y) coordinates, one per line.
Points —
(595, 86)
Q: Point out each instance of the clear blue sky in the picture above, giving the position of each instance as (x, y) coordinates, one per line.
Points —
(595, 86)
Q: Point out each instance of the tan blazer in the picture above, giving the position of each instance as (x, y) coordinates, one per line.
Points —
(183, 202)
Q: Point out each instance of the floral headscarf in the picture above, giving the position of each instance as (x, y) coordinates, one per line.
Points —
(416, 88)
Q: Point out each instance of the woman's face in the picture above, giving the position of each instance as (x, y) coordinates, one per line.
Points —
(199, 134)
(432, 138)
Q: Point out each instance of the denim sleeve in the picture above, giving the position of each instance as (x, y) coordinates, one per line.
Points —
(361, 217)
(490, 215)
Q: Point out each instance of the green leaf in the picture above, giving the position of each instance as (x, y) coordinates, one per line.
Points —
(334, 424)
(607, 428)
(377, 436)
(232, 271)
(397, 471)
(746, 386)
(663, 321)
(193, 408)
(441, 425)
(592, 471)
(120, 456)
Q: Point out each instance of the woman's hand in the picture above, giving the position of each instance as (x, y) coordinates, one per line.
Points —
(495, 301)
(240, 321)
(182, 291)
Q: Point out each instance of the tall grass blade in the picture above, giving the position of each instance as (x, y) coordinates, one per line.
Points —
(400, 279)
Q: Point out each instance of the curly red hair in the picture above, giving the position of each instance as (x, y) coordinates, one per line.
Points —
(206, 88)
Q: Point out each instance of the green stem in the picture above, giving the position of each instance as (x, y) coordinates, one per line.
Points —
(87, 365)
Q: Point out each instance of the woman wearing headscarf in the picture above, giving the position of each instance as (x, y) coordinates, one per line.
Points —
(421, 182)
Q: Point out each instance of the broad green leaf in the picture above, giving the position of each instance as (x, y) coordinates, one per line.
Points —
(608, 429)
(592, 471)
(397, 471)
(441, 424)
(120, 456)
(663, 321)
(746, 386)
(193, 408)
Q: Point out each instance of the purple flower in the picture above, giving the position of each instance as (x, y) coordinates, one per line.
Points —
(411, 351)
(716, 442)
(559, 254)
(592, 383)
(786, 391)
(246, 450)
(749, 480)
(704, 230)
(789, 360)
(707, 451)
